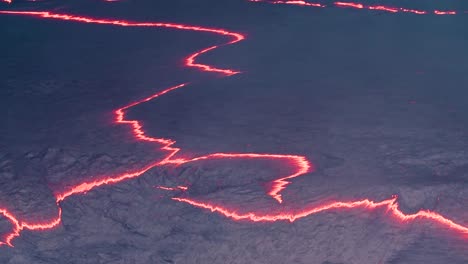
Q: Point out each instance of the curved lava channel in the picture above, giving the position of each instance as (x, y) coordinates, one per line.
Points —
(301, 163)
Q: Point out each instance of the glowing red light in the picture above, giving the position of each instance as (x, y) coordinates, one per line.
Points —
(438, 12)
(298, 3)
(384, 8)
(19, 226)
(178, 188)
(360, 6)
(414, 11)
(137, 130)
(391, 205)
(301, 164)
(301, 3)
(346, 4)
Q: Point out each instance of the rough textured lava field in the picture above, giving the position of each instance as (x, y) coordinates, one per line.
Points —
(233, 131)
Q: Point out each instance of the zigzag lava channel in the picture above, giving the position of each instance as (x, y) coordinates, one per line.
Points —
(301, 163)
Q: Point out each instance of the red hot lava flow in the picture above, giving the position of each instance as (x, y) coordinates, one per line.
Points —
(302, 165)
(355, 5)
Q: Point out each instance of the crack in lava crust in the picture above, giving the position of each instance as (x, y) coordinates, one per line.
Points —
(361, 6)
(301, 163)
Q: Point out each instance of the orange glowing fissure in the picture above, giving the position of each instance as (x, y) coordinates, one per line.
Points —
(355, 5)
(301, 164)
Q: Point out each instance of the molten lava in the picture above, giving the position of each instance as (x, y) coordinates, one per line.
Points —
(355, 5)
(301, 164)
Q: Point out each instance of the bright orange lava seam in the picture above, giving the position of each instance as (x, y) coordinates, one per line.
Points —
(301, 163)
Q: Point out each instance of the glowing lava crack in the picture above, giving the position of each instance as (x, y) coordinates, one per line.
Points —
(361, 6)
(301, 163)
